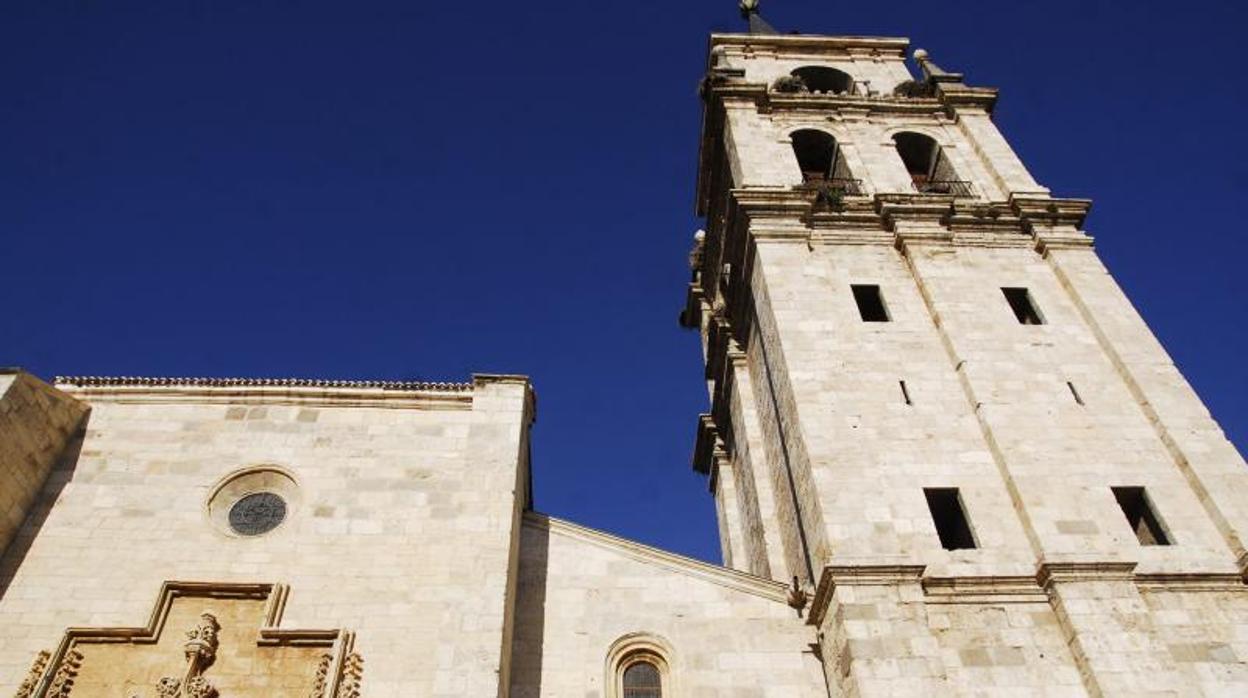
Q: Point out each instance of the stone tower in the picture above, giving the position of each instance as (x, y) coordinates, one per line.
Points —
(931, 405)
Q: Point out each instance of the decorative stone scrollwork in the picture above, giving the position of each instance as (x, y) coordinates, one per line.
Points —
(352, 676)
(82, 665)
(201, 641)
(199, 687)
(168, 687)
(63, 681)
(37, 669)
(322, 676)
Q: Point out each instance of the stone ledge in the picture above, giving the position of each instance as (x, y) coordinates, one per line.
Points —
(269, 391)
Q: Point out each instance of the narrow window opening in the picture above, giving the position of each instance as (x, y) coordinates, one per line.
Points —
(642, 680)
(870, 303)
(905, 393)
(951, 523)
(1140, 515)
(1074, 392)
(1023, 306)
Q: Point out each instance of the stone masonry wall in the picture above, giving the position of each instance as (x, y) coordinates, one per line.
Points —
(403, 528)
(724, 633)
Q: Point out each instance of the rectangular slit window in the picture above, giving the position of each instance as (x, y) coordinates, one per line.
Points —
(870, 303)
(951, 523)
(1023, 305)
(1140, 515)
(1074, 392)
(905, 393)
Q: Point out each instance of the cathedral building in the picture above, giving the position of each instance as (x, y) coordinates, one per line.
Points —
(947, 455)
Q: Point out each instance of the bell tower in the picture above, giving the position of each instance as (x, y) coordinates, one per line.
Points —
(932, 408)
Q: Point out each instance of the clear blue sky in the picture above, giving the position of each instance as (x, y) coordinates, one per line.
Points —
(424, 190)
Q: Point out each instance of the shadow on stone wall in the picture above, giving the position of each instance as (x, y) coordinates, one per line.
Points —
(59, 476)
(530, 630)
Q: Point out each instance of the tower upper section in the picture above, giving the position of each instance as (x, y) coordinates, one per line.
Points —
(844, 115)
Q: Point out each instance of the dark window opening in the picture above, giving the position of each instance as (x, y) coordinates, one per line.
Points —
(1140, 515)
(829, 80)
(1023, 306)
(951, 523)
(870, 303)
(819, 157)
(905, 393)
(1074, 392)
(642, 680)
(929, 168)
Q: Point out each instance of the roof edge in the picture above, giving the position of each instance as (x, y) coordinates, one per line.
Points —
(896, 45)
(210, 382)
(714, 574)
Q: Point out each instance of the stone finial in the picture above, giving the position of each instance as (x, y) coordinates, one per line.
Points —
(931, 71)
(749, 12)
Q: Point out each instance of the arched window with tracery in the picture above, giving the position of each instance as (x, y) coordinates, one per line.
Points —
(642, 680)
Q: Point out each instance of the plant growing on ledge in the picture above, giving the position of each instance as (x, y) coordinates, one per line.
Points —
(829, 194)
(789, 84)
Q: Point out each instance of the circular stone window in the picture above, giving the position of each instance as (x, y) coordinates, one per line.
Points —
(257, 513)
(253, 502)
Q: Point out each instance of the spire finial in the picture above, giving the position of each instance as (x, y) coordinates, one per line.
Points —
(931, 71)
(749, 12)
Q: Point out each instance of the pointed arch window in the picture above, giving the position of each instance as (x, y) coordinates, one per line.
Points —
(930, 170)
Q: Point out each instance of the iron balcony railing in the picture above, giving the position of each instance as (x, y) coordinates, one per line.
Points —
(830, 186)
(953, 187)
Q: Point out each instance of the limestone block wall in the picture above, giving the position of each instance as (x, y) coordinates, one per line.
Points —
(724, 633)
(757, 489)
(884, 634)
(37, 429)
(1060, 458)
(1203, 633)
(404, 523)
(872, 454)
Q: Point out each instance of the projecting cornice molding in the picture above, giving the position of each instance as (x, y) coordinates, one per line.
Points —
(1049, 573)
(813, 45)
(796, 214)
(143, 381)
(364, 393)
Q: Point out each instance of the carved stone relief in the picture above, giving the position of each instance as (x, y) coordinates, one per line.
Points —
(234, 648)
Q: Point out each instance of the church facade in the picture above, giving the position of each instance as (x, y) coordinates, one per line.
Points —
(948, 457)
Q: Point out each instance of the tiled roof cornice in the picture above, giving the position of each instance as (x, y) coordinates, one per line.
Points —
(203, 382)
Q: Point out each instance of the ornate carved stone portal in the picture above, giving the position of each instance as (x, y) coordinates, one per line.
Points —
(202, 641)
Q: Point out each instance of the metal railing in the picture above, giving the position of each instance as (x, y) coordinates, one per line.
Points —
(955, 187)
(829, 186)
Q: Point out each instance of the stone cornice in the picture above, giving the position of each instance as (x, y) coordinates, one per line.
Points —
(714, 574)
(1049, 573)
(858, 575)
(990, 589)
(1191, 581)
(704, 444)
(814, 45)
(177, 381)
(364, 393)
